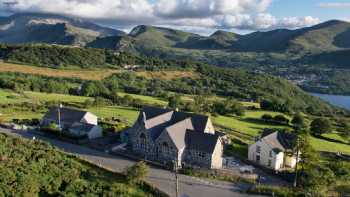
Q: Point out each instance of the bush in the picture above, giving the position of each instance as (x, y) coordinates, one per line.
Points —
(274, 190)
(320, 126)
(136, 173)
(266, 117)
(281, 119)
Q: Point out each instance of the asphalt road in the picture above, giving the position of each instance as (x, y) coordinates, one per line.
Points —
(162, 179)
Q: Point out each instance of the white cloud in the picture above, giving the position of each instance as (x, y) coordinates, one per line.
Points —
(129, 10)
(334, 5)
(208, 8)
(189, 14)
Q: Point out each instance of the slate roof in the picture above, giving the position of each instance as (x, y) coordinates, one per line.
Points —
(177, 132)
(279, 141)
(82, 127)
(201, 141)
(67, 114)
(177, 125)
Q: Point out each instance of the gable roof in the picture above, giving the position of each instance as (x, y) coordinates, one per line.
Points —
(279, 141)
(151, 112)
(157, 119)
(67, 114)
(177, 125)
(201, 141)
(177, 132)
(82, 127)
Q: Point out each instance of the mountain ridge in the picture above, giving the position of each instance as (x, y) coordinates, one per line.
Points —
(51, 29)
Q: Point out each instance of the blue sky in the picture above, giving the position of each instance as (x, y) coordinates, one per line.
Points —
(284, 8)
(200, 16)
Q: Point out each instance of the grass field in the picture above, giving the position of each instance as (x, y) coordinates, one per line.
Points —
(167, 75)
(249, 124)
(80, 74)
(146, 99)
(45, 97)
(324, 145)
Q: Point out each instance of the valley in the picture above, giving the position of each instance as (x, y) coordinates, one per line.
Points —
(246, 96)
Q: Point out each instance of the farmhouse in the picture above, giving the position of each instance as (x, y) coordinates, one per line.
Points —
(74, 122)
(169, 137)
(274, 150)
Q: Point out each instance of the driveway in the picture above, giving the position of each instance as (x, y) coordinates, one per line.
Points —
(162, 179)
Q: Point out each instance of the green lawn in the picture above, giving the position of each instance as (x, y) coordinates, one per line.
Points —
(249, 123)
(335, 136)
(146, 99)
(45, 97)
(7, 97)
(324, 145)
(126, 113)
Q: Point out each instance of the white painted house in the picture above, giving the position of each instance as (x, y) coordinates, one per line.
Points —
(76, 122)
(274, 150)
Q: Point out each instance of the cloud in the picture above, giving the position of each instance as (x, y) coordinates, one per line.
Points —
(208, 8)
(334, 5)
(189, 14)
(118, 10)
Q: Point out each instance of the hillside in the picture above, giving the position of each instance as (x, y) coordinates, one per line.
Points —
(200, 78)
(280, 52)
(49, 28)
(35, 168)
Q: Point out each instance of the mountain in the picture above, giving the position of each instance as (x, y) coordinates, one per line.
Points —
(51, 29)
(328, 36)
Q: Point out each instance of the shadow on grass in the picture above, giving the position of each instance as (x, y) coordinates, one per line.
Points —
(330, 139)
(262, 122)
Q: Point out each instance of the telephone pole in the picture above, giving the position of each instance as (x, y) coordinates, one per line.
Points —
(295, 184)
(176, 179)
(59, 116)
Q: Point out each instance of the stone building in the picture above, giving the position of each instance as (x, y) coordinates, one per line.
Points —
(169, 136)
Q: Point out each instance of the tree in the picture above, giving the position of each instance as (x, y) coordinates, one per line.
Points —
(136, 173)
(298, 121)
(320, 126)
(174, 101)
(266, 117)
(281, 119)
(344, 130)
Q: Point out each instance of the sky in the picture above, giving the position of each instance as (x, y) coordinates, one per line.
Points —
(198, 16)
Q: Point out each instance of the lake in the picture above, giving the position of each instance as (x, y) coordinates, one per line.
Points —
(337, 100)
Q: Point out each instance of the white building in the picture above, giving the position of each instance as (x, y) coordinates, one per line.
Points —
(274, 150)
(75, 122)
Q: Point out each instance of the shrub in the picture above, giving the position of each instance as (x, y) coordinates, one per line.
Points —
(136, 173)
(266, 117)
(281, 119)
(320, 126)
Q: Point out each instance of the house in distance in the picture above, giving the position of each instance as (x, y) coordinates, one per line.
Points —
(73, 122)
(170, 137)
(274, 150)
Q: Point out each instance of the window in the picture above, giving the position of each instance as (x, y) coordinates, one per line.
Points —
(165, 148)
(258, 158)
(258, 149)
(143, 143)
(269, 163)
